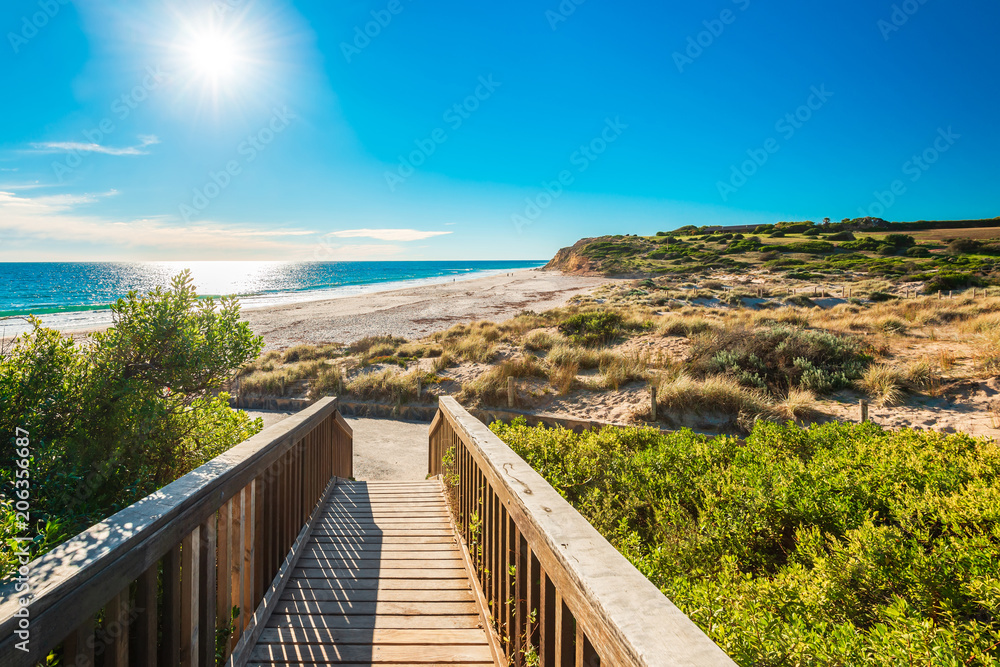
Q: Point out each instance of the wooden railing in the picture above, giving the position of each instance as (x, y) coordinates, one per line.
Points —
(558, 593)
(188, 569)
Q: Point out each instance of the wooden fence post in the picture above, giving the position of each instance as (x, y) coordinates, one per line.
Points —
(652, 402)
(864, 411)
(510, 392)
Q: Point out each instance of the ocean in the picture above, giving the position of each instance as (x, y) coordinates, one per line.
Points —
(75, 296)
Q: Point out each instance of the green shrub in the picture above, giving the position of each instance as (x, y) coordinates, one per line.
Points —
(594, 328)
(950, 280)
(779, 358)
(834, 545)
(138, 406)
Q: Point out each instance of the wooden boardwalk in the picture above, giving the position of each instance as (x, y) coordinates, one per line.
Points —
(382, 580)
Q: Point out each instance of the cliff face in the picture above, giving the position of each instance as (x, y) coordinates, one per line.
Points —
(571, 260)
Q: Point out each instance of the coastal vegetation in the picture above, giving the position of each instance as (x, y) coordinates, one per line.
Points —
(930, 260)
(837, 544)
(721, 355)
(113, 419)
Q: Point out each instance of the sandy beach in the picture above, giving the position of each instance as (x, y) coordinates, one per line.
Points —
(418, 311)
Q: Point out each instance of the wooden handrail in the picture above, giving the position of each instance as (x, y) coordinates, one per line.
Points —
(555, 588)
(162, 575)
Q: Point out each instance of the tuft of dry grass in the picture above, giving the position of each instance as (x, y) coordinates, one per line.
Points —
(442, 362)
(491, 387)
(683, 394)
(540, 340)
(883, 383)
(279, 379)
(891, 325)
(311, 353)
(987, 351)
(620, 369)
(798, 405)
(682, 325)
(920, 375)
(328, 382)
(476, 348)
(376, 346)
(564, 354)
(388, 385)
(563, 378)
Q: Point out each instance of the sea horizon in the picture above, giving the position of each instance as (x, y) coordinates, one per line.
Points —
(74, 296)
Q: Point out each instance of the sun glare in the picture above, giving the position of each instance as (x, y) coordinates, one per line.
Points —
(214, 55)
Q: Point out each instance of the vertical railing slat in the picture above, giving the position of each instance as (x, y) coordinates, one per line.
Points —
(224, 578)
(190, 594)
(171, 641)
(207, 585)
(78, 647)
(146, 628)
(116, 622)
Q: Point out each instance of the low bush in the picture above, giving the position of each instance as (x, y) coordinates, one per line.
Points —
(838, 544)
(779, 358)
(594, 328)
(950, 280)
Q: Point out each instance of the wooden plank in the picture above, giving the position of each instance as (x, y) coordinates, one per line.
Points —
(190, 595)
(469, 636)
(384, 532)
(378, 595)
(325, 583)
(146, 628)
(413, 525)
(369, 608)
(376, 573)
(347, 565)
(380, 539)
(312, 654)
(385, 621)
(430, 550)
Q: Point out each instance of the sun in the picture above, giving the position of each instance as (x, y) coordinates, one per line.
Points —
(214, 55)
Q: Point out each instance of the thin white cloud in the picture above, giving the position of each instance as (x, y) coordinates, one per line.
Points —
(386, 234)
(34, 223)
(145, 140)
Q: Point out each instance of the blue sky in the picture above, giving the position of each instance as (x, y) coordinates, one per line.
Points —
(408, 129)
